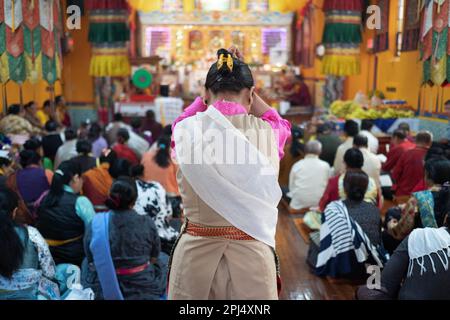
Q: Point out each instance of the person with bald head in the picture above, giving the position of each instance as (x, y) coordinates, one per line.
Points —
(308, 178)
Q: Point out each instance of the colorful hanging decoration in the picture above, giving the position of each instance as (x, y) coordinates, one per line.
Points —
(381, 41)
(109, 33)
(342, 37)
(434, 41)
(30, 33)
(110, 60)
(109, 26)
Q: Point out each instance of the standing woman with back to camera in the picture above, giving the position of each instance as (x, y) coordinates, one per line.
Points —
(226, 249)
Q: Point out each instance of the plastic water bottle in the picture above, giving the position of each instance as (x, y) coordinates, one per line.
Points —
(78, 293)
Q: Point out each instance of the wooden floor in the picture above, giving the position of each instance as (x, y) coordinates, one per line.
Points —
(298, 282)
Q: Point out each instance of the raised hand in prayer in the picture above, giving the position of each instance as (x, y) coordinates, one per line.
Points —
(234, 50)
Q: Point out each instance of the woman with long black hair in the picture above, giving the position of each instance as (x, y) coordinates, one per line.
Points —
(25, 257)
(64, 215)
(228, 145)
(122, 250)
(160, 167)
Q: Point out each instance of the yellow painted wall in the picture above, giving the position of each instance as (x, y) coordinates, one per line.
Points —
(78, 84)
(31, 92)
(318, 31)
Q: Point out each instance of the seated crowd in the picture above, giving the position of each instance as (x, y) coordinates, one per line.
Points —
(357, 218)
(104, 203)
(56, 185)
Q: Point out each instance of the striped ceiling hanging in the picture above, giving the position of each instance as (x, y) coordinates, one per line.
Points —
(109, 32)
(30, 33)
(342, 37)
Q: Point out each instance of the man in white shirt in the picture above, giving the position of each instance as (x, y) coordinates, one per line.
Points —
(308, 178)
(68, 150)
(137, 143)
(372, 164)
(366, 130)
(351, 130)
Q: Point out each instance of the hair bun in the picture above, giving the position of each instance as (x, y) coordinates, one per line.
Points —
(223, 51)
(137, 171)
(225, 62)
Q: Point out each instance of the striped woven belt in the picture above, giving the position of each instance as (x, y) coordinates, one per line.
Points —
(58, 243)
(131, 271)
(230, 233)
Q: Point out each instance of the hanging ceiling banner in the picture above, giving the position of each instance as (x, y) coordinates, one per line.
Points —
(2, 36)
(2, 11)
(31, 15)
(46, 11)
(14, 42)
(107, 4)
(30, 32)
(13, 13)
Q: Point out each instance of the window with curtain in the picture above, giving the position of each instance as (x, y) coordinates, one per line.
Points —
(410, 26)
(382, 35)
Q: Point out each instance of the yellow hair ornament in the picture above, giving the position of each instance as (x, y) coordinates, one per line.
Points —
(228, 60)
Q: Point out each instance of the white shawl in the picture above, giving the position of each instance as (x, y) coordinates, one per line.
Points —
(245, 194)
(423, 242)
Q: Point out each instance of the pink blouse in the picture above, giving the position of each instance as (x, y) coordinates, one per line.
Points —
(281, 127)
